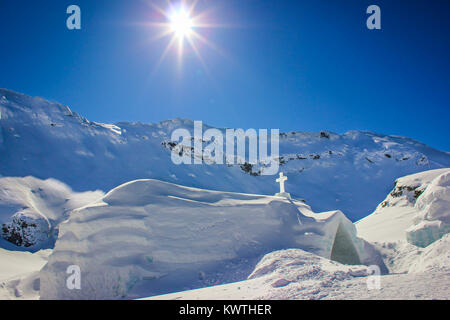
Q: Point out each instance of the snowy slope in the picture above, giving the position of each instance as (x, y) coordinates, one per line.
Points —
(417, 210)
(31, 210)
(149, 237)
(351, 172)
(19, 273)
(17, 263)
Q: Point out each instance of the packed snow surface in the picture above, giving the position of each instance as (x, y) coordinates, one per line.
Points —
(299, 275)
(351, 172)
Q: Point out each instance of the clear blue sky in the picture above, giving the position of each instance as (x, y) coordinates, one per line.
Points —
(293, 65)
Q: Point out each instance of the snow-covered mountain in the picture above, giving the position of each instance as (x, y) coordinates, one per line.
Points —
(351, 172)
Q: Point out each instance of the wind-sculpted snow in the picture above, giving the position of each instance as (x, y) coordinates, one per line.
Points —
(351, 172)
(150, 237)
(417, 210)
(433, 218)
(435, 257)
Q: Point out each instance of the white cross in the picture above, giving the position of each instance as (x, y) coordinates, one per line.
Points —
(281, 180)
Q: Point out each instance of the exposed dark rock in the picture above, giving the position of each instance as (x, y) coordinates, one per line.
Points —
(24, 231)
(417, 193)
(281, 160)
(398, 191)
(324, 134)
(169, 144)
(422, 161)
(248, 168)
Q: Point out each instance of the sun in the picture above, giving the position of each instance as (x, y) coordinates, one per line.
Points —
(181, 24)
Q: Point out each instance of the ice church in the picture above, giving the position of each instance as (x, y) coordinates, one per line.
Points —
(148, 237)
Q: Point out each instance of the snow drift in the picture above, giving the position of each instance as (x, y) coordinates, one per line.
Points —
(149, 237)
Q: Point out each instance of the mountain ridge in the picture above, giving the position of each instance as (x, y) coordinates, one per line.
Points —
(351, 172)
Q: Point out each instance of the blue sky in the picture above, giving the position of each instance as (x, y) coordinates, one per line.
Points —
(293, 65)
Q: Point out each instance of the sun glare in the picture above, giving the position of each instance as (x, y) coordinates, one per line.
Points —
(181, 23)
